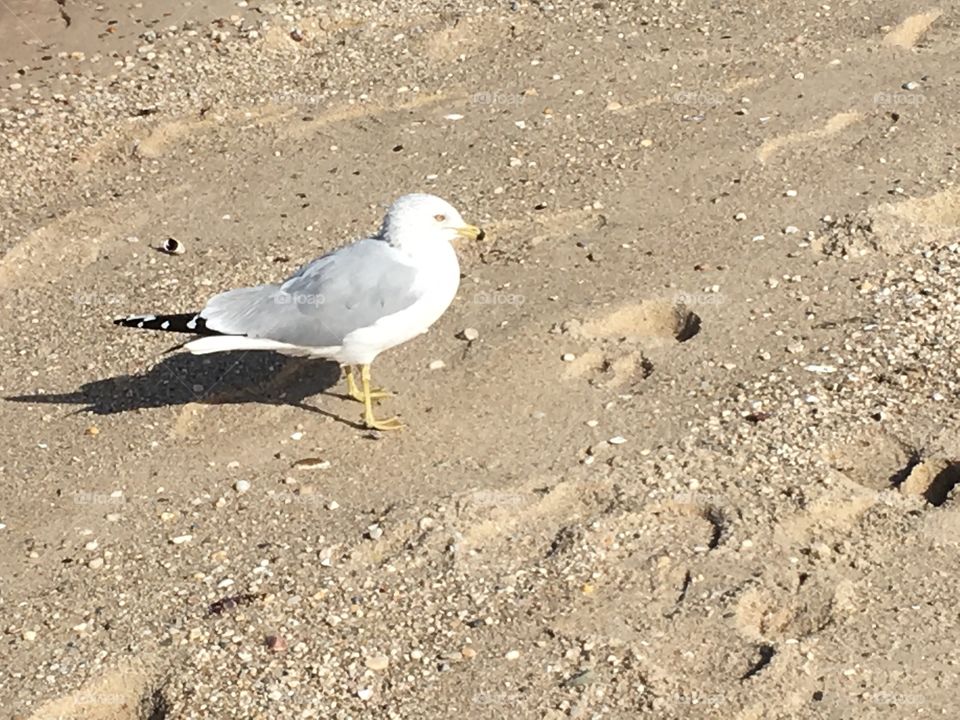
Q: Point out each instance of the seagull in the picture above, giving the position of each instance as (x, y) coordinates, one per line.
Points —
(348, 305)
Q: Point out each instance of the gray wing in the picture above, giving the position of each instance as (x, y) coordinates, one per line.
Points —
(322, 302)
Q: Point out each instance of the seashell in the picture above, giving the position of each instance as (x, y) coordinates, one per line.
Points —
(173, 247)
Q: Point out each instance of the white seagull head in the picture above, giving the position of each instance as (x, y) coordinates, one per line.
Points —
(420, 221)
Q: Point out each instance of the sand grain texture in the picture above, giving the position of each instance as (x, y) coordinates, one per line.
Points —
(698, 459)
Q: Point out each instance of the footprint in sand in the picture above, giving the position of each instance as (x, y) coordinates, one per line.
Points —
(881, 462)
(619, 337)
(122, 694)
(907, 33)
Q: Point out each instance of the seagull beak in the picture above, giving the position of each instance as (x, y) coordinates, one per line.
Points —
(470, 232)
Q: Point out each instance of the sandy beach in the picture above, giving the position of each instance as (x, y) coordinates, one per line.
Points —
(685, 445)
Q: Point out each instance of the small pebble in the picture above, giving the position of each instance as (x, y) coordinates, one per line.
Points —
(377, 662)
(617, 440)
(241, 486)
(581, 678)
(568, 357)
(311, 464)
(365, 693)
(437, 365)
(470, 333)
(513, 655)
(276, 643)
(821, 550)
(181, 539)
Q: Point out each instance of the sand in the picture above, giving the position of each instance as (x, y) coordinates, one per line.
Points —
(696, 458)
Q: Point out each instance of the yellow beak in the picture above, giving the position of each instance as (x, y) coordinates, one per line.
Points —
(470, 232)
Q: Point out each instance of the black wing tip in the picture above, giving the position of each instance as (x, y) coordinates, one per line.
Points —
(190, 323)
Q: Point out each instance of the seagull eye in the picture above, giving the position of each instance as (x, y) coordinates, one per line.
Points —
(440, 218)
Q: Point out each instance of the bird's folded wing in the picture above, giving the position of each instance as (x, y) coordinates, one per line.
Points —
(323, 302)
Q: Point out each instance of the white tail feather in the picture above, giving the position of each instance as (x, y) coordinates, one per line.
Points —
(224, 343)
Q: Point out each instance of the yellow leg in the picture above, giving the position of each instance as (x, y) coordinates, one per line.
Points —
(354, 392)
(369, 420)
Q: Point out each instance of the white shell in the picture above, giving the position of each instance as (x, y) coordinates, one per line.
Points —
(173, 247)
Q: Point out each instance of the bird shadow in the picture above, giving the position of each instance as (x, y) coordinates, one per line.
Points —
(224, 378)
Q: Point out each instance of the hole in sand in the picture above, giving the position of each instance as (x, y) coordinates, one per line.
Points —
(125, 693)
(766, 655)
(938, 492)
(645, 321)
(154, 706)
(934, 478)
(688, 327)
(876, 461)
